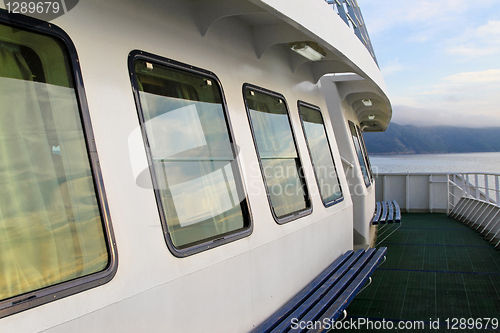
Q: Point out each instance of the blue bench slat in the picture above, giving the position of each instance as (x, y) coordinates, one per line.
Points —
(384, 212)
(319, 293)
(352, 290)
(378, 211)
(397, 217)
(390, 215)
(295, 302)
(328, 294)
(330, 298)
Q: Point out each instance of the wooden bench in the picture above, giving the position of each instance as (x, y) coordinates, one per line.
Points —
(328, 295)
(386, 212)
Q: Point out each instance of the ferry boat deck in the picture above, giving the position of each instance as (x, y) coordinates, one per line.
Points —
(436, 269)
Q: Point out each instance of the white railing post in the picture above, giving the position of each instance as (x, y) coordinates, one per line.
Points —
(448, 196)
(430, 193)
(408, 193)
(497, 190)
(465, 188)
(384, 192)
(467, 185)
(486, 188)
(453, 188)
(476, 179)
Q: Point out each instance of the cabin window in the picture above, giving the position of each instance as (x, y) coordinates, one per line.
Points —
(51, 227)
(320, 152)
(365, 152)
(192, 155)
(278, 156)
(361, 152)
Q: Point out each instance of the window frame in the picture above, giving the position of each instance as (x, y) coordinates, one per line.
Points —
(297, 214)
(246, 211)
(362, 151)
(365, 152)
(314, 107)
(58, 291)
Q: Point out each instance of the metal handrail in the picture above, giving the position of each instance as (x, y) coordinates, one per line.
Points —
(436, 173)
(444, 189)
(349, 164)
(350, 12)
(478, 189)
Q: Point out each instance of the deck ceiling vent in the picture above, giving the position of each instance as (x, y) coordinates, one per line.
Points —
(308, 50)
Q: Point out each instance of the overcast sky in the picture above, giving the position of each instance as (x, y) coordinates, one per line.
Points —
(440, 59)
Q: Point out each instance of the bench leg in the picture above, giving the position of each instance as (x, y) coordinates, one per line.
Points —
(385, 258)
(383, 233)
(367, 284)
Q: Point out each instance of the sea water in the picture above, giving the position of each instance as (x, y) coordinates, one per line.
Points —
(447, 163)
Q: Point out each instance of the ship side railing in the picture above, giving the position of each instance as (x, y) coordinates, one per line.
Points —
(436, 192)
(350, 13)
(479, 186)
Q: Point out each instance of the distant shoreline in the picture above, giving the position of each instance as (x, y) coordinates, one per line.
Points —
(409, 139)
(431, 153)
(477, 162)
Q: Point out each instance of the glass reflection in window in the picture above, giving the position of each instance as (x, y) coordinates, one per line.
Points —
(321, 156)
(365, 152)
(278, 154)
(193, 158)
(51, 229)
(359, 151)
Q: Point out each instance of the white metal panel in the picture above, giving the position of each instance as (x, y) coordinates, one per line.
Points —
(153, 290)
(322, 22)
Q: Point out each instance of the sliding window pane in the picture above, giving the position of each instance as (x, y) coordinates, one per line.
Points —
(365, 152)
(51, 229)
(359, 152)
(193, 158)
(321, 156)
(278, 154)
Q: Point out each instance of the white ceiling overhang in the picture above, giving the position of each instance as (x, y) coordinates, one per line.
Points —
(276, 23)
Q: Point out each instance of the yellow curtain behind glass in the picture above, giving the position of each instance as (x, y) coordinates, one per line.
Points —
(39, 241)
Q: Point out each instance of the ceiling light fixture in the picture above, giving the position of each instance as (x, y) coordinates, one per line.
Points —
(309, 50)
(367, 102)
(371, 117)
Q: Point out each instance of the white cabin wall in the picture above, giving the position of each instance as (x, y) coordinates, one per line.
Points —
(229, 288)
(363, 197)
(192, 303)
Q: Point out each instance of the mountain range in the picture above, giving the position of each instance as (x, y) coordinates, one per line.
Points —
(409, 139)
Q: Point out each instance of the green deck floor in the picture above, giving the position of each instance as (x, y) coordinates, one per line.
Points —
(436, 269)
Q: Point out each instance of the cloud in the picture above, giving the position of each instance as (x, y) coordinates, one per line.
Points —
(392, 67)
(488, 76)
(464, 99)
(421, 37)
(428, 116)
(382, 15)
(424, 42)
(472, 50)
(489, 30)
(480, 41)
